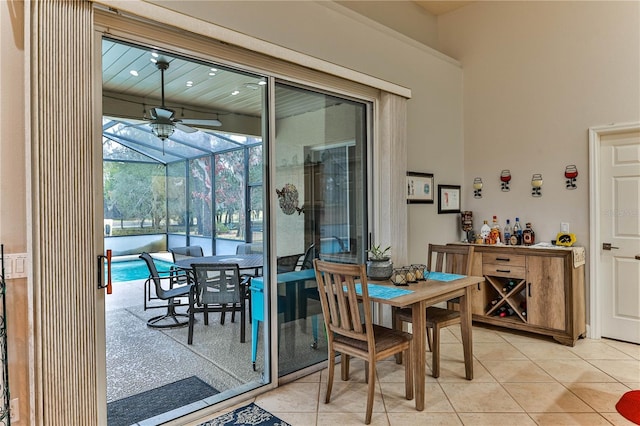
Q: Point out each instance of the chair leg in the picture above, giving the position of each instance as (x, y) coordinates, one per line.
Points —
(429, 340)
(331, 369)
(344, 367)
(435, 350)
(191, 318)
(223, 313)
(243, 318)
(371, 388)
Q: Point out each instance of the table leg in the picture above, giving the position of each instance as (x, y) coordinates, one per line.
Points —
(465, 325)
(418, 311)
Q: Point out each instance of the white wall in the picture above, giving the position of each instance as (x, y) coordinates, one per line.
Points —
(537, 75)
(337, 35)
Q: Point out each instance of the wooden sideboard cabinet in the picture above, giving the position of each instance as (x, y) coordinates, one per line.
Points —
(540, 290)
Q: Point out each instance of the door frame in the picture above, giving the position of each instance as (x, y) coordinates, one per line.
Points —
(594, 330)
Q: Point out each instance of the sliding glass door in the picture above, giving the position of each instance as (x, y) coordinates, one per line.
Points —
(320, 179)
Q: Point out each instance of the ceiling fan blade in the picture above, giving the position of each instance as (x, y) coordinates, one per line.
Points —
(184, 128)
(161, 113)
(198, 122)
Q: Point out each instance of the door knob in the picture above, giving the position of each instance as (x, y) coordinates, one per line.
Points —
(637, 256)
(608, 246)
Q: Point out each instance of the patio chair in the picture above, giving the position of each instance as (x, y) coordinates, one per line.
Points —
(217, 287)
(165, 289)
(352, 332)
(180, 277)
(448, 258)
(180, 253)
(288, 263)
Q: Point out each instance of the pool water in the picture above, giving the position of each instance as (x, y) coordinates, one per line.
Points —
(130, 270)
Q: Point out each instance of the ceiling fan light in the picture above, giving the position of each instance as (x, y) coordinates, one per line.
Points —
(162, 130)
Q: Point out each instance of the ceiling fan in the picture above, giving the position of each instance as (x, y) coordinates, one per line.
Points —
(162, 120)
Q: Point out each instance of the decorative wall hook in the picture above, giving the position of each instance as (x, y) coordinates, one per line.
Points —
(536, 185)
(505, 178)
(571, 173)
(477, 188)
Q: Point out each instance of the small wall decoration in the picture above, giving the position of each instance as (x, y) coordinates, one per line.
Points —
(571, 173)
(477, 187)
(419, 188)
(505, 178)
(448, 198)
(288, 198)
(536, 185)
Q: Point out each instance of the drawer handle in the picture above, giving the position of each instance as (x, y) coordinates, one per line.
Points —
(503, 270)
(529, 289)
(504, 259)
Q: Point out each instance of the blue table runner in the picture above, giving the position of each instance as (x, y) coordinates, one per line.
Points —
(382, 292)
(443, 276)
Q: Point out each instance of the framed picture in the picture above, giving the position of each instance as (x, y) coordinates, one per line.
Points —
(448, 198)
(419, 188)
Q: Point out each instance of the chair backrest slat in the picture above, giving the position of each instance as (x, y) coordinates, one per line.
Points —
(450, 258)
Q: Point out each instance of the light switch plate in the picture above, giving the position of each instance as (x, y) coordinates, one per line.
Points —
(564, 227)
(15, 265)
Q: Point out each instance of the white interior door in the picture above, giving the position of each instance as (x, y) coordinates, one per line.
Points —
(619, 244)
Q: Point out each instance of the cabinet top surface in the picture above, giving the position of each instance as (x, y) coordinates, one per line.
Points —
(526, 250)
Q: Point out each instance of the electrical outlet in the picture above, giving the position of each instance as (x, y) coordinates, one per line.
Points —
(14, 410)
(564, 227)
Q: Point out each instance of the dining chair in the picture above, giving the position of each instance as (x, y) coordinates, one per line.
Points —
(455, 259)
(346, 309)
(217, 287)
(166, 288)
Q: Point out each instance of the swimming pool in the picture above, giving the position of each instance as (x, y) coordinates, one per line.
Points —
(130, 270)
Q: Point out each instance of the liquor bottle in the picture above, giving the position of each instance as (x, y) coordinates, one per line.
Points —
(507, 233)
(517, 232)
(484, 232)
(528, 236)
(495, 236)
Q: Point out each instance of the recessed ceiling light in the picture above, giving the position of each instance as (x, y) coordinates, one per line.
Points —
(154, 60)
(262, 82)
(154, 54)
(212, 73)
(235, 92)
(133, 73)
(252, 86)
(189, 83)
(214, 69)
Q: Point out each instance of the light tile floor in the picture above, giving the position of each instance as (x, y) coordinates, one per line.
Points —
(519, 379)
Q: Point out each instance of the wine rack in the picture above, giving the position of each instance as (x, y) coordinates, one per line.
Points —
(510, 294)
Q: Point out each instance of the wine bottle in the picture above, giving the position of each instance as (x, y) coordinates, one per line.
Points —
(509, 286)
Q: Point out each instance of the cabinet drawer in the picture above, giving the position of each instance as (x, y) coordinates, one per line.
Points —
(503, 259)
(503, 270)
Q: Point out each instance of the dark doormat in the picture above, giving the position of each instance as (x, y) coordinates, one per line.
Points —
(248, 415)
(135, 408)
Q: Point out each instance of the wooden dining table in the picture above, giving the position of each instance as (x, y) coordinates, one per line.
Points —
(427, 293)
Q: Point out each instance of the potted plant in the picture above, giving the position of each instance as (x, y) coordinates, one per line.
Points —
(379, 265)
